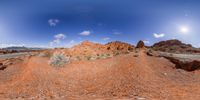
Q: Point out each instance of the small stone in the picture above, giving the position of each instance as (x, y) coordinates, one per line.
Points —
(140, 98)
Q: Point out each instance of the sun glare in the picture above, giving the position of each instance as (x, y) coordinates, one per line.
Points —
(184, 29)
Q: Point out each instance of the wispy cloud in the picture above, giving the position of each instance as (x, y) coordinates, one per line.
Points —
(160, 35)
(58, 38)
(106, 38)
(71, 43)
(53, 22)
(146, 41)
(85, 33)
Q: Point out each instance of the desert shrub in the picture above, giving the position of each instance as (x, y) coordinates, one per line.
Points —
(88, 57)
(58, 60)
(98, 57)
(116, 53)
(130, 49)
(45, 54)
(103, 55)
(42, 55)
(136, 51)
(93, 58)
(126, 52)
(78, 58)
(108, 55)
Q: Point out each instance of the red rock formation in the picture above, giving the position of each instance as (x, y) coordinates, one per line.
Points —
(85, 48)
(88, 48)
(188, 65)
(175, 46)
(140, 44)
(119, 46)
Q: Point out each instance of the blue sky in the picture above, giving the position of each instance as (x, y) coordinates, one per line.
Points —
(58, 23)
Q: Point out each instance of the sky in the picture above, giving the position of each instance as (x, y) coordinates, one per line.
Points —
(64, 23)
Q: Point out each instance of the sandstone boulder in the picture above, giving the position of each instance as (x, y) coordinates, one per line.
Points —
(2, 67)
(140, 44)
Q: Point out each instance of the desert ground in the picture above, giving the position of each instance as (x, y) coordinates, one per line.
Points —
(142, 73)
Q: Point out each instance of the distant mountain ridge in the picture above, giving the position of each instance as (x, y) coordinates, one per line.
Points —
(18, 48)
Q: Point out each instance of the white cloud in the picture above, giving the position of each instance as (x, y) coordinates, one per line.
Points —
(71, 43)
(53, 22)
(57, 39)
(106, 38)
(158, 35)
(85, 33)
(146, 42)
(60, 36)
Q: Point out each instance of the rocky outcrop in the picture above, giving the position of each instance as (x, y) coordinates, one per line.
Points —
(85, 48)
(188, 62)
(175, 46)
(2, 67)
(140, 44)
(88, 48)
(188, 65)
(118, 46)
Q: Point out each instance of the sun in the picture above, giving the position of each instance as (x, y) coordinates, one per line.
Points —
(184, 29)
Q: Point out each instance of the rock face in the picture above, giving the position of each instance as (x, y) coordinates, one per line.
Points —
(140, 44)
(188, 62)
(88, 48)
(119, 46)
(175, 46)
(2, 67)
(188, 65)
(85, 48)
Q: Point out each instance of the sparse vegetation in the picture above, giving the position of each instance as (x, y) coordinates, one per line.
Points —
(88, 57)
(58, 60)
(116, 53)
(102, 55)
(126, 52)
(136, 51)
(130, 49)
(93, 58)
(45, 54)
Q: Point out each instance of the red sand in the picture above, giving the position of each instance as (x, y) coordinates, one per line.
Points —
(122, 77)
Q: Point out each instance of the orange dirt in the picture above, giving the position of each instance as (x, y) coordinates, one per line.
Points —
(121, 77)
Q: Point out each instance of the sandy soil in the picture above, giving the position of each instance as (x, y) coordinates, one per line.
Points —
(121, 77)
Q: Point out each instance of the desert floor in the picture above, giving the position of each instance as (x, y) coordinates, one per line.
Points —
(133, 76)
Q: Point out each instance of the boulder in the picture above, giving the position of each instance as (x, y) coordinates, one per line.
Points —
(140, 44)
(2, 67)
